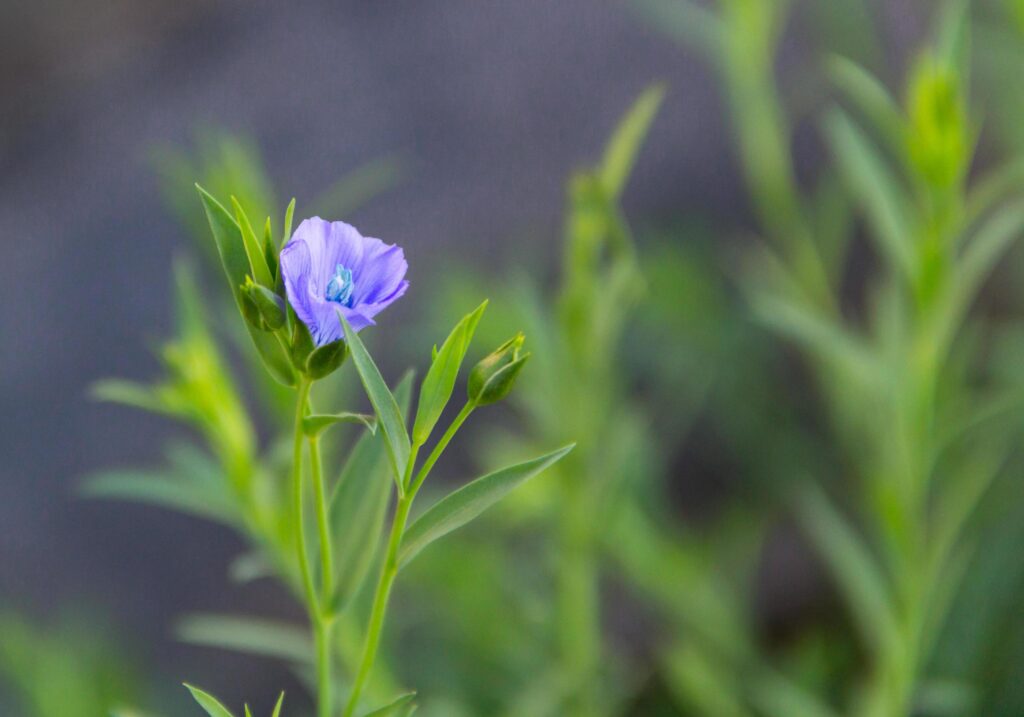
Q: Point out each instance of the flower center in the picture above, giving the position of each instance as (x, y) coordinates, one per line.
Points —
(339, 288)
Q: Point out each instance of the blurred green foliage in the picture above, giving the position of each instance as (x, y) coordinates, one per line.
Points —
(845, 368)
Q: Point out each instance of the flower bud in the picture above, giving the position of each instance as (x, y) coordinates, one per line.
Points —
(938, 133)
(269, 306)
(325, 359)
(492, 378)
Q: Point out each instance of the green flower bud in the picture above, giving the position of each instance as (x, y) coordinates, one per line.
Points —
(269, 306)
(938, 133)
(301, 344)
(492, 378)
(325, 359)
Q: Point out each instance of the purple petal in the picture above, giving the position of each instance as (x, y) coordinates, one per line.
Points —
(382, 270)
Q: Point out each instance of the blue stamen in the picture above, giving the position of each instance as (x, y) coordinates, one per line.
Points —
(339, 288)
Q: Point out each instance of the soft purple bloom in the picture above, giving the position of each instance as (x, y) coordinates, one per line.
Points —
(330, 267)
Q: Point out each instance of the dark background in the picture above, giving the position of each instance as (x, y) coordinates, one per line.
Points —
(491, 104)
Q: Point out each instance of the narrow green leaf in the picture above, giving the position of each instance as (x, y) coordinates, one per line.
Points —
(685, 22)
(858, 576)
(277, 707)
(230, 247)
(248, 712)
(358, 506)
(880, 194)
(314, 423)
(383, 402)
(359, 186)
(394, 708)
(439, 382)
(161, 489)
(129, 393)
(289, 214)
(873, 100)
(469, 501)
(209, 703)
(253, 636)
(250, 566)
(621, 152)
(253, 247)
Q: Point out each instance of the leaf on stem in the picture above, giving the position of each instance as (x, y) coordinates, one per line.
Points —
(208, 702)
(469, 501)
(358, 507)
(314, 423)
(625, 143)
(235, 261)
(399, 707)
(439, 382)
(390, 417)
(252, 636)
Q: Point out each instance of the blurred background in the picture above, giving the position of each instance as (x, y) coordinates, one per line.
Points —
(462, 122)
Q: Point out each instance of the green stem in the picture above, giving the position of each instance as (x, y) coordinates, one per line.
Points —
(307, 576)
(439, 448)
(321, 628)
(322, 633)
(380, 601)
(323, 525)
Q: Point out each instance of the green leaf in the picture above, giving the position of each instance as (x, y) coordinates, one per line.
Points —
(253, 636)
(621, 152)
(878, 191)
(469, 501)
(358, 506)
(439, 382)
(314, 423)
(277, 707)
(359, 186)
(160, 488)
(209, 702)
(383, 403)
(253, 248)
(399, 706)
(248, 712)
(685, 22)
(858, 576)
(873, 99)
(289, 214)
(231, 249)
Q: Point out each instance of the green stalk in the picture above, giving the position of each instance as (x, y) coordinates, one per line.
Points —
(439, 448)
(323, 526)
(380, 600)
(307, 576)
(321, 628)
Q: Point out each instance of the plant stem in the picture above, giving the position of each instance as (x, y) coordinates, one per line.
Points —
(380, 601)
(321, 628)
(307, 576)
(323, 526)
(577, 608)
(322, 633)
(439, 448)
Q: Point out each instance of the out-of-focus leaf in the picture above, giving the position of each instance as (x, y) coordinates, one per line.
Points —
(278, 706)
(881, 195)
(458, 508)
(253, 636)
(439, 382)
(400, 707)
(209, 703)
(383, 403)
(622, 150)
(315, 423)
(860, 580)
(873, 99)
(160, 489)
(359, 186)
(231, 249)
(250, 566)
(684, 21)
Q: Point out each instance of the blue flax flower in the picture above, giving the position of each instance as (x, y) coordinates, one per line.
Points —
(330, 267)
